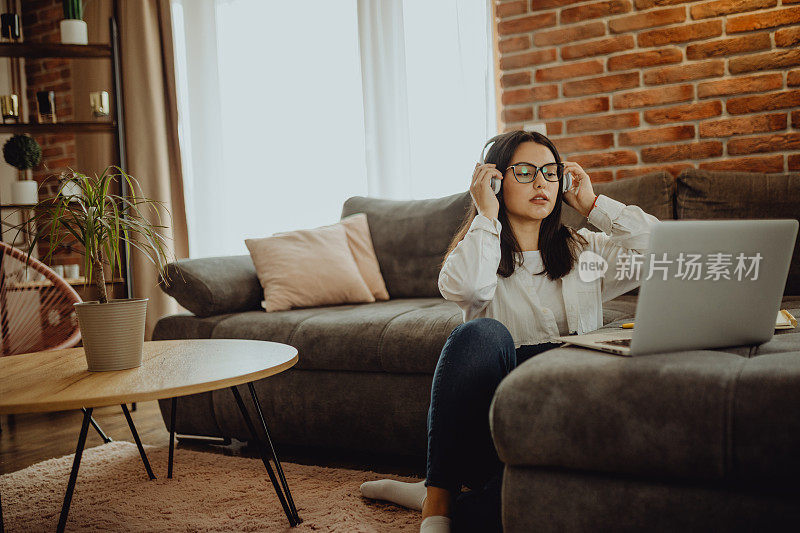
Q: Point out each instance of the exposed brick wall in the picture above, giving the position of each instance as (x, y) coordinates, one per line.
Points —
(40, 24)
(630, 86)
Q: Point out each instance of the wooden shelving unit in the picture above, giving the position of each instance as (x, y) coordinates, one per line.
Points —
(108, 52)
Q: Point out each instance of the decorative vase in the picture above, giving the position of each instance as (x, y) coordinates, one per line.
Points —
(24, 192)
(74, 31)
(112, 333)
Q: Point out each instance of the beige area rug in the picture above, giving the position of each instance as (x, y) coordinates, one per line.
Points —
(208, 492)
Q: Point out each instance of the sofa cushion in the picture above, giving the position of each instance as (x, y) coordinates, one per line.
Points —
(654, 192)
(705, 194)
(410, 238)
(399, 335)
(214, 285)
(712, 414)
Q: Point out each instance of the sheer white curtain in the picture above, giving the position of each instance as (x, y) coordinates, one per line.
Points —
(285, 115)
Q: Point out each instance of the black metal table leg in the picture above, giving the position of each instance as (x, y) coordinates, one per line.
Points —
(73, 475)
(278, 490)
(138, 442)
(172, 411)
(275, 460)
(96, 426)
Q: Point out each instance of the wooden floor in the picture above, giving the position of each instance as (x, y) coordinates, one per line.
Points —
(30, 438)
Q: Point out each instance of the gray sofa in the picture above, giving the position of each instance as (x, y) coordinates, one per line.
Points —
(689, 440)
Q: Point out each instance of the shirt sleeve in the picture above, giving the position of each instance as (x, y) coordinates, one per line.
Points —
(469, 274)
(625, 230)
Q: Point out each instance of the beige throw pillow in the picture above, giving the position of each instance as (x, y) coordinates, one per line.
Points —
(360, 241)
(308, 268)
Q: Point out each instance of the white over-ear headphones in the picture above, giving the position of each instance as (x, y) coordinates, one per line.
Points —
(496, 182)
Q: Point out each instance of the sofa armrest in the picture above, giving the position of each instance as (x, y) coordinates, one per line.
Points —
(214, 285)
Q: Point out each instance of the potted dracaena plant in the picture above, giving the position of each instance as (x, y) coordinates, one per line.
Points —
(88, 213)
(73, 27)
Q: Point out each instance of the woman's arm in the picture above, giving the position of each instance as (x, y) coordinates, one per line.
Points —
(469, 274)
(625, 230)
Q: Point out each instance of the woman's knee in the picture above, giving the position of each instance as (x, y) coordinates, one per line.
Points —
(479, 336)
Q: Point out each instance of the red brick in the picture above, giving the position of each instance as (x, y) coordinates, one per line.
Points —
(740, 84)
(606, 159)
(537, 5)
(615, 121)
(742, 125)
(645, 59)
(726, 7)
(778, 142)
(601, 84)
(726, 47)
(514, 44)
(574, 107)
(509, 9)
(599, 176)
(51, 151)
(555, 128)
(656, 135)
(528, 59)
(765, 61)
(772, 163)
(526, 24)
(648, 97)
(649, 19)
(763, 19)
(793, 78)
(569, 34)
(571, 70)
(518, 78)
(593, 11)
(584, 143)
(691, 71)
(598, 47)
(533, 94)
(684, 113)
(786, 37)
(794, 162)
(677, 152)
(518, 114)
(638, 171)
(763, 102)
(647, 4)
(680, 34)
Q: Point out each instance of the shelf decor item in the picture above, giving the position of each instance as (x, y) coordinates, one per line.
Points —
(98, 101)
(9, 107)
(103, 223)
(73, 27)
(46, 106)
(22, 152)
(9, 27)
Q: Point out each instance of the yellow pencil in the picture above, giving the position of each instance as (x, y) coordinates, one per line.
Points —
(627, 325)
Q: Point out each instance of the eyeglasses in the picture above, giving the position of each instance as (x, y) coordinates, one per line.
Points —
(526, 172)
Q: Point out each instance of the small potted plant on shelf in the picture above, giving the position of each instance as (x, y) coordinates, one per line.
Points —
(102, 222)
(23, 153)
(73, 27)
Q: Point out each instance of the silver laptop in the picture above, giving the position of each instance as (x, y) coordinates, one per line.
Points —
(682, 306)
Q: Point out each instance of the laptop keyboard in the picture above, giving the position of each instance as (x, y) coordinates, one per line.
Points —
(617, 342)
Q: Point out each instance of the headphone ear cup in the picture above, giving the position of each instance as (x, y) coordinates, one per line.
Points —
(567, 181)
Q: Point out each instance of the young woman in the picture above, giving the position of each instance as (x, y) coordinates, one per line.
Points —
(512, 269)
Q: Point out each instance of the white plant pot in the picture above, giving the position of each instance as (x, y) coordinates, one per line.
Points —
(24, 192)
(74, 31)
(113, 333)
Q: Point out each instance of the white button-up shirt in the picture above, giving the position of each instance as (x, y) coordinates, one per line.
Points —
(469, 276)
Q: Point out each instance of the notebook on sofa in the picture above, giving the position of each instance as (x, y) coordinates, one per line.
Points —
(674, 313)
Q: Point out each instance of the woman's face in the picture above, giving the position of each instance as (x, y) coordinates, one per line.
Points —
(518, 197)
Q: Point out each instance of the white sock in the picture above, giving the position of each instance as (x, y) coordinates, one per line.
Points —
(410, 495)
(435, 524)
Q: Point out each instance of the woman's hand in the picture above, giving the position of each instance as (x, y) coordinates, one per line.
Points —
(481, 189)
(581, 196)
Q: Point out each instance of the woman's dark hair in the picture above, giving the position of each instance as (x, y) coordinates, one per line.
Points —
(559, 244)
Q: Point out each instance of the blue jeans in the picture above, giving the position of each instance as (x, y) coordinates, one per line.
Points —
(477, 355)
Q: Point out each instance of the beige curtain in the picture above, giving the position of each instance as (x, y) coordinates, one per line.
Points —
(151, 132)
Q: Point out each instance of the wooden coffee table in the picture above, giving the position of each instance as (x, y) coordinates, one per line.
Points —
(59, 380)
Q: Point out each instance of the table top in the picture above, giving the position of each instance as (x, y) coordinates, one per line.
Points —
(59, 380)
